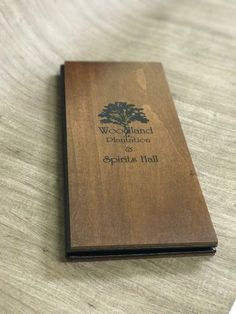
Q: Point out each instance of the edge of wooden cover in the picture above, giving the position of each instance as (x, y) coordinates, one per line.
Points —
(65, 169)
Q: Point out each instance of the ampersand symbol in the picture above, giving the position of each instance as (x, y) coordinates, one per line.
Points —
(128, 149)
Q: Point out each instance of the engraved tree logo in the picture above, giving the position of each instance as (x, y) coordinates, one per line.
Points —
(122, 114)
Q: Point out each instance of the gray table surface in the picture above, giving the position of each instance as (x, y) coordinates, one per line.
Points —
(196, 42)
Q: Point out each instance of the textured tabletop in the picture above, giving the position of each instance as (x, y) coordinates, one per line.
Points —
(196, 42)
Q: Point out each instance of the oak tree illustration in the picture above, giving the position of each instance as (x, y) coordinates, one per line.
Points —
(122, 114)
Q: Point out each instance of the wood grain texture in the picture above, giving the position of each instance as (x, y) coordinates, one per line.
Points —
(195, 41)
(131, 180)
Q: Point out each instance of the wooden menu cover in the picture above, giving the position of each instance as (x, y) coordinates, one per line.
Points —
(131, 186)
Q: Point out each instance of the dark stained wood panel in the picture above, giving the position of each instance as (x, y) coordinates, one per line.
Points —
(131, 181)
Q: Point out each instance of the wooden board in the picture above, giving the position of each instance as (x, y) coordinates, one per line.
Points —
(132, 187)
